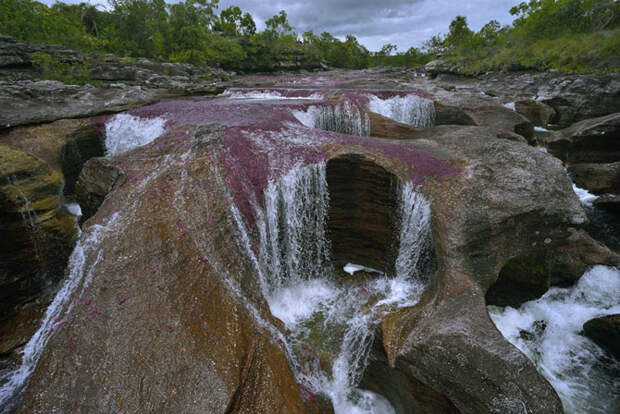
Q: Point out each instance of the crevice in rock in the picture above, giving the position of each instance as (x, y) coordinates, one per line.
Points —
(362, 225)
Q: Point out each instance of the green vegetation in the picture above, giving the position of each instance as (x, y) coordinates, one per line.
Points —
(569, 35)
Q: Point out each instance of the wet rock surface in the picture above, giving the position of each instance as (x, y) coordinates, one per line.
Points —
(597, 178)
(605, 331)
(36, 234)
(591, 141)
(170, 291)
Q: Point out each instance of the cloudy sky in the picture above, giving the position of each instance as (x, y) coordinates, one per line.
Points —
(404, 23)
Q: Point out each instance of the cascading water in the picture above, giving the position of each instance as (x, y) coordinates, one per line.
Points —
(547, 330)
(409, 109)
(330, 321)
(124, 132)
(79, 275)
(344, 118)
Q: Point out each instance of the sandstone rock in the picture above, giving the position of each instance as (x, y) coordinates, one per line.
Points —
(65, 145)
(36, 236)
(597, 178)
(172, 319)
(605, 331)
(383, 127)
(536, 112)
(173, 227)
(451, 115)
(609, 203)
(97, 179)
(439, 66)
(502, 118)
(591, 141)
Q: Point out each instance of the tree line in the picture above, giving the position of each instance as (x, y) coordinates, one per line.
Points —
(564, 34)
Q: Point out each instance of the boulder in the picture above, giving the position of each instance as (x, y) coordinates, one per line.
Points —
(538, 113)
(97, 179)
(36, 235)
(451, 115)
(500, 118)
(171, 319)
(597, 178)
(605, 331)
(591, 141)
(65, 145)
(384, 127)
(441, 67)
(609, 203)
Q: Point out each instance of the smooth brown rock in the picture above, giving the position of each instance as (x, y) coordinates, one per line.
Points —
(597, 178)
(501, 118)
(451, 115)
(591, 141)
(65, 145)
(98, 178)
(384, 127)
(605, 331)
(172, 319)
(538, 113)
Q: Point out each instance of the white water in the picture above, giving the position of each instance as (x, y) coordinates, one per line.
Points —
(344, 118)
(410, 109)
(74, 209)
(584, 195)
(547, 331)
(265, 95)
(330, 322)
(124, 132)
(79, 274)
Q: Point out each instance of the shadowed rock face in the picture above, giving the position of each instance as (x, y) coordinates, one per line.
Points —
(362, 224)
(170, 310)
(36, 235)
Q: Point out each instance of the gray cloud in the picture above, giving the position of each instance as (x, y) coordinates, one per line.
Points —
(404, 23)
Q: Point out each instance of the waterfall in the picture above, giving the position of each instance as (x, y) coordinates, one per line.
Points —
(415, 234)
(547, 330)
(124, 132)
(410, 109)
(292, 229)
(79, 274)
(328, 317)
(344, 119)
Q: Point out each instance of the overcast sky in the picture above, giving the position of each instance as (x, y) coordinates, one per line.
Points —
(404, 23)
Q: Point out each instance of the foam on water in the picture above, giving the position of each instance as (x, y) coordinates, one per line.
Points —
(266, 95)
(509, 105)
(80, 272)
(547, 330)
(584, 195)
(74, 209)
(323, 313)
(124, 132)
(410, 109)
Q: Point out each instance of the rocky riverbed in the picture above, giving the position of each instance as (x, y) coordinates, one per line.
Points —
(188, 239)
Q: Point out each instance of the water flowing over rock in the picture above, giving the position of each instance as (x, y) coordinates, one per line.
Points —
(210, 274)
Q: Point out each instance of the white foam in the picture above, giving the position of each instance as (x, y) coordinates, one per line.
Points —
(351, 268)
(547, 330)
(74, 209)
(410, 109)
(541, 129)
(584, 195)
(509, 105)
(415, 236)
(265, 95)
(124, 132)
